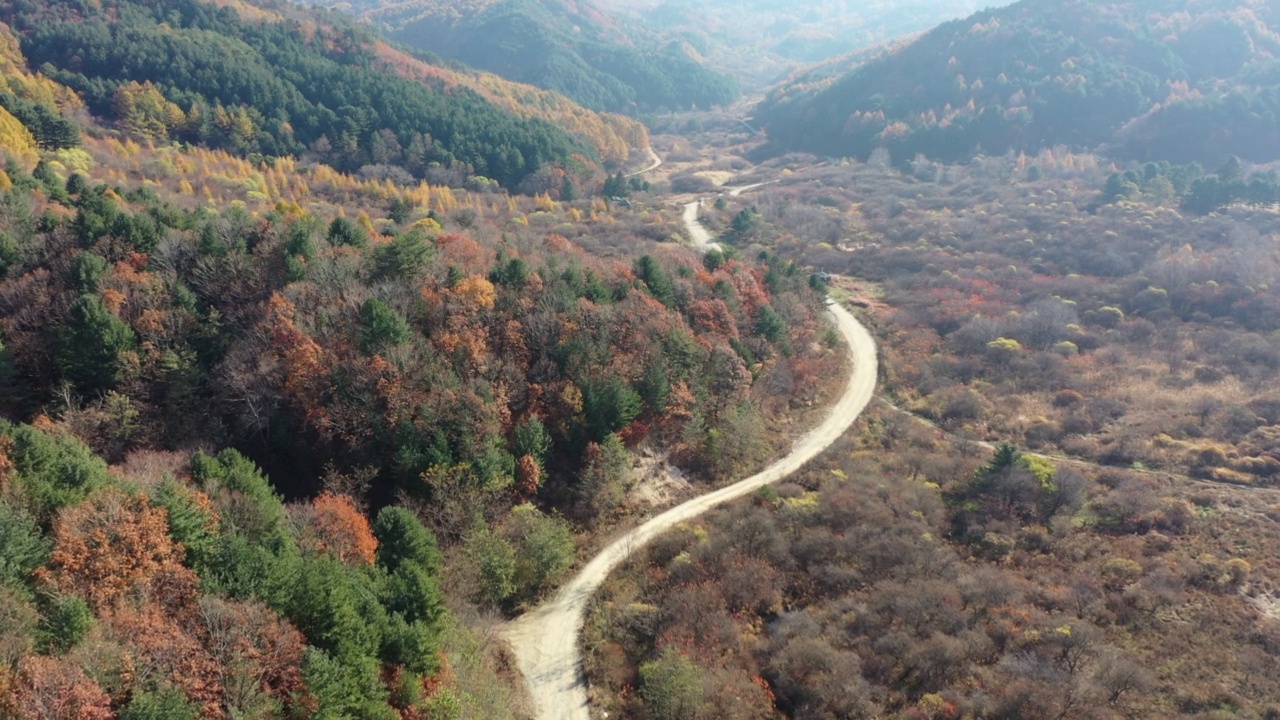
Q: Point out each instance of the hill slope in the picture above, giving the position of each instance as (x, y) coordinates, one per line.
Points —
(275, 85)
(348, 343)
(1160, 80)
(570, 47)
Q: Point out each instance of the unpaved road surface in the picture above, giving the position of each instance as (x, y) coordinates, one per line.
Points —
(735, 192)
(655, 162)
(701, 238)
(545, 640)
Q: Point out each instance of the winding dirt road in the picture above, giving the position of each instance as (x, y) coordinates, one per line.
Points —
(545, 640)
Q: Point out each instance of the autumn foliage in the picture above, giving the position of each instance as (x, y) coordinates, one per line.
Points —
(332, 524)
(48, 688)
(112, 546)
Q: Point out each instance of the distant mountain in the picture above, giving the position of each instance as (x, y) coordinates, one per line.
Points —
(1161, 79)
(568, 46)
(276, 80)
(757, 41)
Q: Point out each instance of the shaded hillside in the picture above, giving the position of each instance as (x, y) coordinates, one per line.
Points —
(612, 136)
(1162, 80)
(570, 47)
(191, 71)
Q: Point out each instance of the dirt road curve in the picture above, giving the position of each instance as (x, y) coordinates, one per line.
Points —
(545, 640)
(655, 161)
(735, 192)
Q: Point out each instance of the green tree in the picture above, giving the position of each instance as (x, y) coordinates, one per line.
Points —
(343, 231)
(653, 385)
(770, 325)
(413, 593)
(712, 260)
(400, 211)
(402, 538)
(76, 184)
(494, 560)
(609, 405)
(415, 607)
(544, 548)
(404, 257)
(92, 346)
(530, 437)
(191, 522)
(1119, 186)
(746, 226)
(346, 687)
(604, 476)
(166, 703)
(1005, 456)
(413, 645)
(50, 129)
(250, 505)
(656, 280)
(616, 186)
(53, 471)
(381, 326)
(1231, 170)
(509, 272)
(22, 547)
(333, 605)
(242, 569)
(87, 271)
(65, 621)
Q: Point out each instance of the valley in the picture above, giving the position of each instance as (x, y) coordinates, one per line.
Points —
(934, 378)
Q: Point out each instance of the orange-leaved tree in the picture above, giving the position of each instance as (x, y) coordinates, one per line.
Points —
(332, 524)
(112, 544)
(53, 689)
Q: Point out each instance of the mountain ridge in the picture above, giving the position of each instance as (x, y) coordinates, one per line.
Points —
(1081, 73)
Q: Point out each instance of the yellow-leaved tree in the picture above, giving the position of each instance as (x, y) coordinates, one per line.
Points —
(17, 141)
(143, 111)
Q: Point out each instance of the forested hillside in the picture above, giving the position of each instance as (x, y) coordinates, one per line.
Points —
(1166, 80)
(259, 411)
(570, 47)
(198, 73)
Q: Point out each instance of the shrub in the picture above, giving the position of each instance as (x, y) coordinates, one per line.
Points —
(1117, 572)
(1042, 432)
(1110, 317)
(671, 687)
(1002, 350)
(1067, 399)
(962, 404)
(1211, 457)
